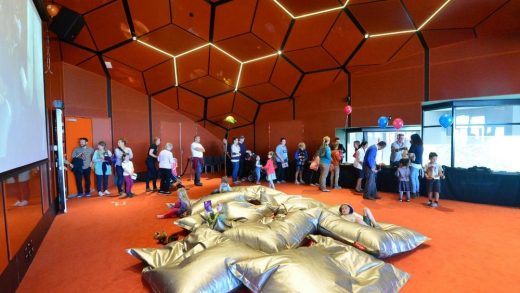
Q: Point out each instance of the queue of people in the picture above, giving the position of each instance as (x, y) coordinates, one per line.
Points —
(159, 164)
(328, 158)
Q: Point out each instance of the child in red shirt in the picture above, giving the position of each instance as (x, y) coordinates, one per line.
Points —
(270, 169)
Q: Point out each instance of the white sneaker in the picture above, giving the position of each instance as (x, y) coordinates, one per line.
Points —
(107, 192)
(17, 203)
(101, 194)
(23, 203)
(170, 205)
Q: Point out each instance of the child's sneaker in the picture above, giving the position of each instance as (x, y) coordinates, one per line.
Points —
(430, 203)
(408, 200)
(100, 194)
(106, 192)
(400, 200)
(434, 205)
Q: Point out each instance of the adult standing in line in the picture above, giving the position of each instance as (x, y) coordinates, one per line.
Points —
(334, 166)
(102, 160)
(121, 150)
(397, 148)
(241, 169)
(82, 156)
(415, 154)
(341, 149)
(151, 158)
(282, 160)
(197, 158)
(359, 157)
(369, 167)
(165, 160)
(235, 160)
(325, 160)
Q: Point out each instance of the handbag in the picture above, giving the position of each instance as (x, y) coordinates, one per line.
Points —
(315, 164)
(133, 176)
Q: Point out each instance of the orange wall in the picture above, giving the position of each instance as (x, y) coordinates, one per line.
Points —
(481, 67)
(85, 95)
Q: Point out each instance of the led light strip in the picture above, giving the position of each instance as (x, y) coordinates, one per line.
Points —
(174, 57)
(366, 35)
(311, 13)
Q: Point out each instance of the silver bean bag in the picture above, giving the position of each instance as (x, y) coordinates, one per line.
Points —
(302, 203)
(255, 191)
(205, 271)
(190, 223)
(177, 251)
(277, 235)
(198, 206)
(387, 241)
(326, 266)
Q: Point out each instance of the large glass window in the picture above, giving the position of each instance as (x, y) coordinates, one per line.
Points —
(488, 136)
(486, 133)
(438, 140)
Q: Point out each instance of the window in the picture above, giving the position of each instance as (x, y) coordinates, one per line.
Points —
(438, 140)
(486, 133)
(483, 135)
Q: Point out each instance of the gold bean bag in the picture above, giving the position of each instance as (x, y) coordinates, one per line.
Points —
(324, 267)
(205, 271)
(277, 235)
(387, 241)
(177, 251)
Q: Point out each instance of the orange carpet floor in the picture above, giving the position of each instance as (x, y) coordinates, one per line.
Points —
(474, 248)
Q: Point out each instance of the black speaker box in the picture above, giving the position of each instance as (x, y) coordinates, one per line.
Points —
(67, 24)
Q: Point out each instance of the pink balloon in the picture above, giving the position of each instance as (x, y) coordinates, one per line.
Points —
(398, 123)
(348, 109)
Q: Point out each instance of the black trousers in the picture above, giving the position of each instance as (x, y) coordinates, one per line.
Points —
(151, 174)
(84, 173)
(166, 175)
(281, 173)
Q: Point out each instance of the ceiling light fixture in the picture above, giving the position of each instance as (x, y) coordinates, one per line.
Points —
(238, 76)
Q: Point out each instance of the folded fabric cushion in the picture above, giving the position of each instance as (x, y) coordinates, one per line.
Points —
(277, 235)
(282, 198)
(205, 271)
(323, 267)
(198, 206)
(384, 242)
(177, 251)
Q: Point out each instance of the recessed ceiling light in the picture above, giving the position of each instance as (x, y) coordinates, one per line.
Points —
(108, 64)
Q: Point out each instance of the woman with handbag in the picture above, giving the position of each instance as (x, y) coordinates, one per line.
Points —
(121, 150)
(325, 160)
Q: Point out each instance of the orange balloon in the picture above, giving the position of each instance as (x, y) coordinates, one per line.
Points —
(52, 10)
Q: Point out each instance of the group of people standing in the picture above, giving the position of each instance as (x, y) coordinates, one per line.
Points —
(159, 164)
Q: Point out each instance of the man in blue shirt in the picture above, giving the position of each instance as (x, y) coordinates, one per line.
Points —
(369, 167)
(282, 161)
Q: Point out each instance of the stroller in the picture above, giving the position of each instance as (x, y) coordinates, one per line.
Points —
(250, 166)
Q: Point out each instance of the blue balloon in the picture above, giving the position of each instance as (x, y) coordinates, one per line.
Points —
(382, 121)
(446, 120)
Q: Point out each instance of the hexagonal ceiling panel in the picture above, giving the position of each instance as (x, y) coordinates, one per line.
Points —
(208, 59)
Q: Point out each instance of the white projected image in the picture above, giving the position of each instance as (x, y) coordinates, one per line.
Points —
(22, 109)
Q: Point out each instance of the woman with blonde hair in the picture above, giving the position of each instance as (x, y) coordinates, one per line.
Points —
(102, 160)
(301, 157)
(325, 160)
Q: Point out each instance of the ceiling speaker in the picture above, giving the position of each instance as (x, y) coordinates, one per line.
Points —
(67, 24)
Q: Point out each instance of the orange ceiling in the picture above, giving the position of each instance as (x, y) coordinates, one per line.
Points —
(210, 83)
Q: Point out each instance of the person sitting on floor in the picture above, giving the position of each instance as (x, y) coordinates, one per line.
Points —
(224, 186)
(180, 208)
(346, 211)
